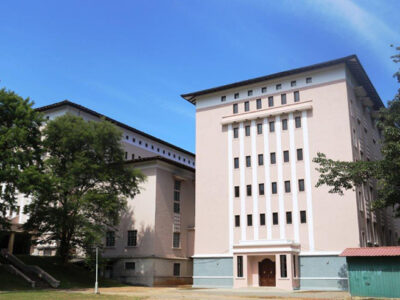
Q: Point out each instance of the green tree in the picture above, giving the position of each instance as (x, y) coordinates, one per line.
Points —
(343, 175)
(20, 151)
(85, 184)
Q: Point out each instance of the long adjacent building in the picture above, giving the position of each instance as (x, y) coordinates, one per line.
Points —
(260, 220)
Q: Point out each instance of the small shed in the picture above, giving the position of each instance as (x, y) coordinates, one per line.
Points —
(373, 272)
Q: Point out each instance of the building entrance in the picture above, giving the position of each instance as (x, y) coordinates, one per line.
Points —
(266, 272)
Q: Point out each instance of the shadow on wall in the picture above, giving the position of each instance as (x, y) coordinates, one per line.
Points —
(344, 283)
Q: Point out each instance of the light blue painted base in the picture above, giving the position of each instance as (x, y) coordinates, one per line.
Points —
(323, 273)
(213, 272)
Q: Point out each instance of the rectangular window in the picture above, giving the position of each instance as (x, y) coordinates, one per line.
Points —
(223, 98)
(130, 265)
(270, 101)
(260, 159)
(297, 121)
(299, 154)
(274, 188)
(259, 104)
(261, 189)
(247, 130)
(239, 266)
(236, 96)
(237, 221)
(303, 217)
(283, 99)
(278, 86)
(273, 158)
(133, 156)
(286, 156)
(250, 93)
(275, 218)
(235, 108)
(262, 219)
(246, 106)
(177, 196)
(237, 193)
(126, 155)
(264, 89)
(132, 238)
(293, 83)
(248, 190)
(259, 128)
(235, 132)
(177, 207)
(271, 126)
(289, 217)
(110, 239)
(236, 162)
(177, 269)
(248, 161)
(287, 186)
(283, 266)
(301, 185)
(296, 96)
(308, 79)
(249, 220)
(284, 124)
(176, 243)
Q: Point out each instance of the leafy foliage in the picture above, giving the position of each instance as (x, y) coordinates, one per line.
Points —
(345, 175)
(20, 153)
(84, 185)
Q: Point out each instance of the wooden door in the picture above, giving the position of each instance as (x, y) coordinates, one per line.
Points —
(266, 272)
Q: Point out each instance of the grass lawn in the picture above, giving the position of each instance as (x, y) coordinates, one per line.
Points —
(70, 275)
(50, 295)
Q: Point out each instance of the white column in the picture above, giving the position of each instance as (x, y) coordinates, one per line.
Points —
(282, 225)
(294, 186)
(307, 166)
(230, 186)
(242, 167)
(254, 166)
(267, 184)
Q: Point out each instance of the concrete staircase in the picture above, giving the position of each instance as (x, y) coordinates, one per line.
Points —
(36, 276)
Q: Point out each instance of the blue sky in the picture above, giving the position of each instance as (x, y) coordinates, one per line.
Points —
(131, 60)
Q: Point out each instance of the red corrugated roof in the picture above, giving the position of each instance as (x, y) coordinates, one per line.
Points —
(372, 251)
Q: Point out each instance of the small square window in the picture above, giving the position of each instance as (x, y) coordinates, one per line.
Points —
(303, 217)
(130, 266)
(249, 220)
(286, 156)
(296, 96)
(235, 108)
(248, 190)
(247, 130)
(258, 103)
(308, 79)
(264, 89)
(289, 217)
(259, 128)
(261, 189)
(287, 186)
(246, 106)
(260, 159)
(237, 221)
(236, 96)
(278, 86)
(284, 124)
(237, 194)
(248, 161)
(236, 162)
(275, 218)
(293, 83)
(262, 219)
(270, 101)
(271, 126)
(250, 93)
(274, 188)
(301, 185)
(235, 132)
(273, 158)
(283, 99)
(223, 98)
(297, 122)
(300, 154)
